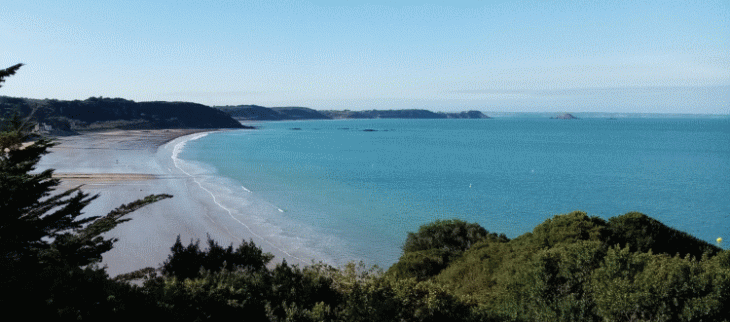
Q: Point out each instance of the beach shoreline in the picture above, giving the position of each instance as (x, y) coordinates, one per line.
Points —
(123, 166)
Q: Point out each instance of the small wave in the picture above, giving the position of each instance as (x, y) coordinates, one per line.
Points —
(180, 145)
(176, 161)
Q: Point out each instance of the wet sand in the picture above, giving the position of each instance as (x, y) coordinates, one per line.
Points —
(123, 166)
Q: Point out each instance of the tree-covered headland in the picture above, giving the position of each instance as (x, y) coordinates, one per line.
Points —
(572, 267)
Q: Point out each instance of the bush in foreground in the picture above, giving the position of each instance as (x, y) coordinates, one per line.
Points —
(567, 269)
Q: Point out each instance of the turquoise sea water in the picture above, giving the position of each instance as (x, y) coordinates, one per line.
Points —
(361, 185)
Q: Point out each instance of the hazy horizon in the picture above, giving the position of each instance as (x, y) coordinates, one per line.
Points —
(489, 111)
(671, 57)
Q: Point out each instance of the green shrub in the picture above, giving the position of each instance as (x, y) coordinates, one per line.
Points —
(552, 285)
(436, 245)
(642, 233)
(450, 235)
(568, 228)
(421, 265)
(658, 287)
(187, 261)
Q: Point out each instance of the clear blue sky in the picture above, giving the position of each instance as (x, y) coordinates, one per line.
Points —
(610, 56)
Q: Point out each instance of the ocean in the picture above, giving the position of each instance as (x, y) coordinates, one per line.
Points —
(351, 190)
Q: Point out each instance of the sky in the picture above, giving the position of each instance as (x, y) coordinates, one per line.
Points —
(512, 56)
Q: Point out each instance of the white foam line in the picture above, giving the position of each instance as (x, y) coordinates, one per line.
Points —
(176, 150)
(116, 184)
(244, 189)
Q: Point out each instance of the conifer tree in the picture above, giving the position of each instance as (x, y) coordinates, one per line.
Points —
(36, 221)
(48, 248)
(8, 72)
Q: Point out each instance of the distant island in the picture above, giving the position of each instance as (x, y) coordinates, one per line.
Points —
(566, 116)
(260, 113)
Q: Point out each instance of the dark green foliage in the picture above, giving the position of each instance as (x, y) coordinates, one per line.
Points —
(404, 300)
(516, 280)
(48, 250)
(39, 222)
(187, 261)
(279, 294)
(421, 264)
(450, 235)
(537, 276)
(184, 262)
(212, 296)
(303, 288)
(314, 293)
(65, 293)
(656, 287)
(435, 245)
(8, 72)
(567, 270)
(28, 214)
(140, 274)
(100, 113)
(568, 228)
(484, 269)
(86, 245)
(368, 296)
(552, 284)
(642, 234)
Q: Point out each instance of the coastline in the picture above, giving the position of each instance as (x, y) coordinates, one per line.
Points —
(127, 165)
(123, 166)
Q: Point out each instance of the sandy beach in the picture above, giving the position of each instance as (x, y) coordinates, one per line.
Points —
(122, 166)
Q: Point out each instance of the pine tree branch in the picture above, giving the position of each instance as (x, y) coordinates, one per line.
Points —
(113, 218)
(8, 72)
(85, 246)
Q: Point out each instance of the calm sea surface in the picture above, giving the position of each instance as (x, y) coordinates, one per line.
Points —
(361, 185)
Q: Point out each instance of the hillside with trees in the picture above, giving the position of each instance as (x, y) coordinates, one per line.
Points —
(97, 113)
